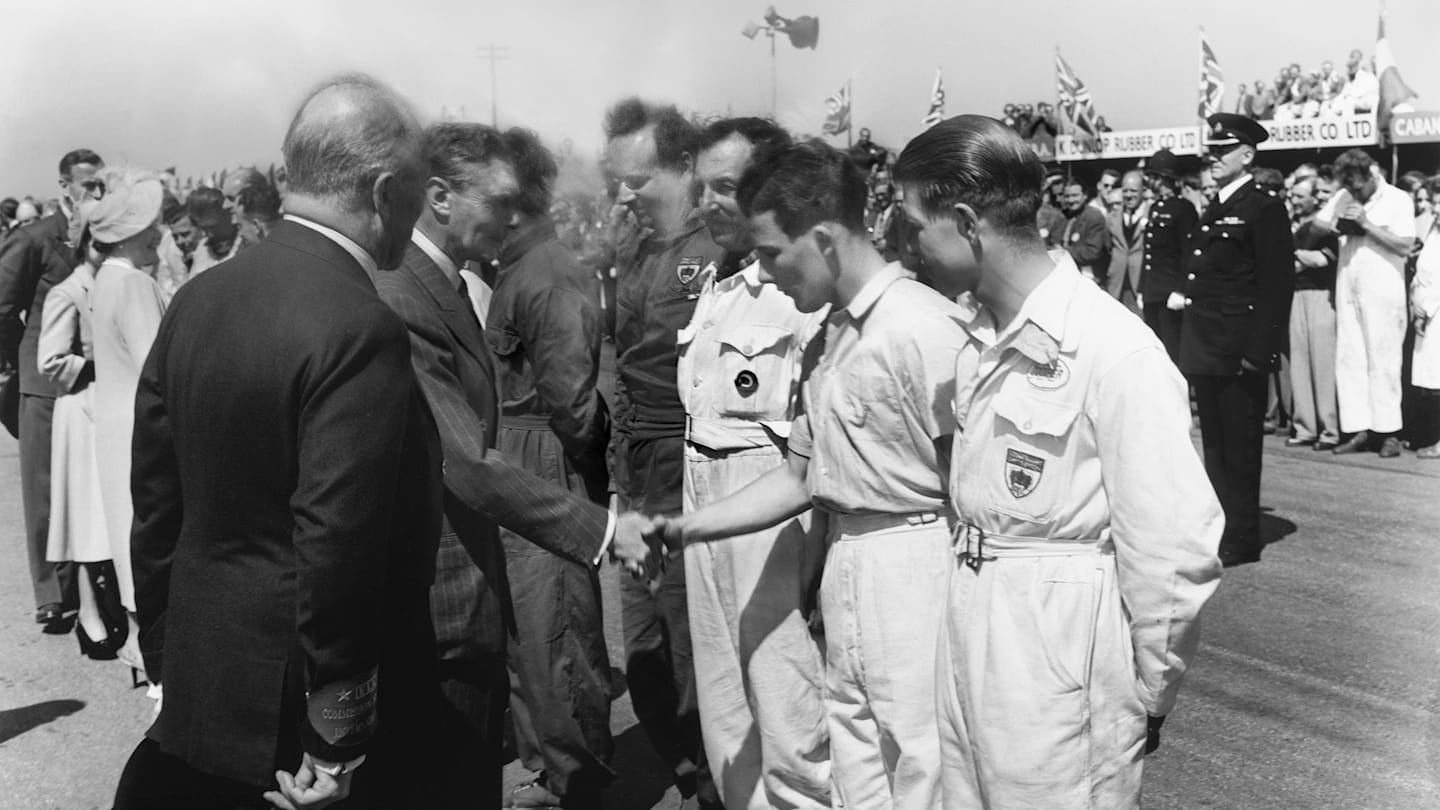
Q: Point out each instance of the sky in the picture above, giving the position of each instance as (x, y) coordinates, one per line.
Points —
(208, 85)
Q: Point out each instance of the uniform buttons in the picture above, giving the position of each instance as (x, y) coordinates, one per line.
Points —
(1188, 302)
(749, 348)
(1191, 277)
(1197, 251)
(1205, 228)
(1251, 307)
(1147, 265)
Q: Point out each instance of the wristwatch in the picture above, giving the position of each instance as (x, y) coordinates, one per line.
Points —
(339, 768)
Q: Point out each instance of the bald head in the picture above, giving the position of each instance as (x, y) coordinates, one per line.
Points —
(354, 160)
(348, 133)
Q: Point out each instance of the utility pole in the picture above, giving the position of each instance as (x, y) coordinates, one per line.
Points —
(494, 53)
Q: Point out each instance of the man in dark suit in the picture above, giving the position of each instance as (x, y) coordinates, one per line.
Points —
(1168, 226)
(469, 200)
(34, 259)
(1127, 241)
(285, 506)
(544, 328)
(1085, 235)
(1239, 278)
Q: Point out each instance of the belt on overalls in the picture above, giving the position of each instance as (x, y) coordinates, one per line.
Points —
(974, 546)
(733, 434)
(525, 421)
(867, 522)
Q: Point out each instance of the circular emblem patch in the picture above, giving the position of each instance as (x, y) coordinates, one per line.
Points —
(1049, 376)
(746, 383)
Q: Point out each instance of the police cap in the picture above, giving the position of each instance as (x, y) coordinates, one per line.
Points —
(1229, 129)
(1164, 163)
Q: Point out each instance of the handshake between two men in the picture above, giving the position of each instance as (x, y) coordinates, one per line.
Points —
(642, 543)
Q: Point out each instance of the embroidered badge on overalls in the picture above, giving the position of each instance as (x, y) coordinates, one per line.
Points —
(688, 268)
(746, 383)
(1049, 376)
(1022, 472)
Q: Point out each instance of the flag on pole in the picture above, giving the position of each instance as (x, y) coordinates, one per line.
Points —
(1077, 111)
(936, 113)
(1212, 81)
(837, 111)
(1395, 94)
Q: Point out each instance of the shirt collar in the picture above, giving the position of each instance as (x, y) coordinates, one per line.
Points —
(366, 261)
(750, 274)
(873, 289)
(1038, 331)
(446, 265)
(1233, 187)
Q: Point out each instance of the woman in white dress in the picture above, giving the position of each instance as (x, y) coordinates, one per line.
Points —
(126, 305)
(1425, 361)
(77, 522)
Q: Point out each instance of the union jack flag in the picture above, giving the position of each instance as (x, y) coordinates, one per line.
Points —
(1077, 111)
(936, 113)
(837, 112)
(1212, 81)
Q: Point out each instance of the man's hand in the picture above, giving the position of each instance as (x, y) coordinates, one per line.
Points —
(1246, 365)
(308, 789)
(635, 545)
(1175, 302)
(669, 532)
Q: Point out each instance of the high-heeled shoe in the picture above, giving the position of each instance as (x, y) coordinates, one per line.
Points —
(106, 649)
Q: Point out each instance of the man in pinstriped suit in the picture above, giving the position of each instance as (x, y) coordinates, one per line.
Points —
(468, 210)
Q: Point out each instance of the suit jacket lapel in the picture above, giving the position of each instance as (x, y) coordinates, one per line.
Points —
(454, 308)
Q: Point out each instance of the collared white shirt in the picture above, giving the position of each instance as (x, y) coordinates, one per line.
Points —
(740, 357)
(1388, 208)
(366, 261)
(1074, 426)
(1232, 187)
(880, 398)
(446, 264)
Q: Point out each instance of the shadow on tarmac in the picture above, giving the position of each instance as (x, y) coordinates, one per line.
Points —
(14, 722)
(1274, 528)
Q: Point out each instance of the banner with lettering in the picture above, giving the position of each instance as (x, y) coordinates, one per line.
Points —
(1341, 131)
(1322, 133)
(1131, 143)
(1415, 127)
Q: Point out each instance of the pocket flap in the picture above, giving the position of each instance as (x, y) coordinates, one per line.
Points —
(1033, 416)
(752, 339)
(501, 342)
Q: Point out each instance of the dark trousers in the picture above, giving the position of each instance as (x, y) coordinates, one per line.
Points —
(1166, 325)
(155, 780)
(659, 663)
(53, 582)
(559, 664)
(1232, 417)
(469, 735)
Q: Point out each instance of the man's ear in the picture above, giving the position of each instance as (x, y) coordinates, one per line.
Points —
(967, 222)
(824, 239)
(438, 196)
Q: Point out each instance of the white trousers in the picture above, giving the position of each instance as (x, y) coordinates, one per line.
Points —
(1039, 705)
(759, 672)
(1369, 336)
(881, 595)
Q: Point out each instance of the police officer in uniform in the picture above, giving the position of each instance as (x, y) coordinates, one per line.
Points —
(1171, 220)
(1239, 278)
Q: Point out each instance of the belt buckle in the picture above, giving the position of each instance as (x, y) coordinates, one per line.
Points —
(970, 546)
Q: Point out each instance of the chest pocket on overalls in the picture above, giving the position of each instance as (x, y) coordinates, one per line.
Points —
(754, 373)
(1029, 465)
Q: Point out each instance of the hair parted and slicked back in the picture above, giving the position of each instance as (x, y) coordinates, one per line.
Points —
(978, 161)
(452, 146)
(676, 138)
(75, 158)
(803, 186)
(766, 137)
(348, 132)
(205, 200)
(535, 171)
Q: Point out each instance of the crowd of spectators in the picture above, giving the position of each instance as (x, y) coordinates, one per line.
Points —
(1296, 93)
